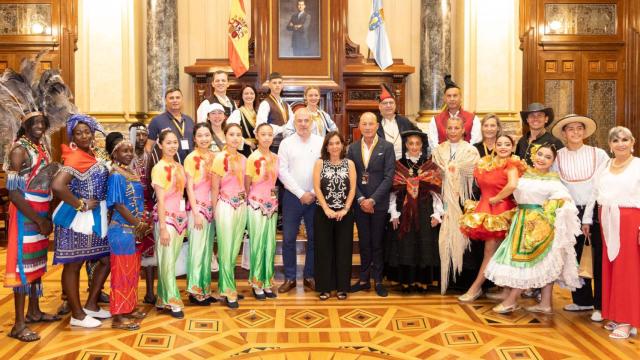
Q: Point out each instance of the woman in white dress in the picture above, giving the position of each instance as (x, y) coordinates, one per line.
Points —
(539, 248)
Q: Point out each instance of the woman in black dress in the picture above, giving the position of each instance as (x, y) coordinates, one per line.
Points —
(416, 209)
(334, 182)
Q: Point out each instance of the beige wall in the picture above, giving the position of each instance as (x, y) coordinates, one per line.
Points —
(110, 59)
(110, 63)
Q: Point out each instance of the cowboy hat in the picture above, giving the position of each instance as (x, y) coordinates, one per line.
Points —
(557, 126)
(536, 107)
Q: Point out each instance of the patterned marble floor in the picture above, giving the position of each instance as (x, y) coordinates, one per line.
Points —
(299, 326)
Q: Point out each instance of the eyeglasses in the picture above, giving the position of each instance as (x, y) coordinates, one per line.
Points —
(387, 103)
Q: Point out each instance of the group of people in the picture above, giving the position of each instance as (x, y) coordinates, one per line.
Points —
(429, 208)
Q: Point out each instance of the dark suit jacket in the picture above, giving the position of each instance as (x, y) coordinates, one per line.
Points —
(381, 170)
(404, 124)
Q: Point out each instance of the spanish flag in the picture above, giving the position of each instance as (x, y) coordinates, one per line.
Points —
(238, 38)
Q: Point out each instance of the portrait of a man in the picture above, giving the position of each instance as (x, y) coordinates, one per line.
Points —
(299, 28)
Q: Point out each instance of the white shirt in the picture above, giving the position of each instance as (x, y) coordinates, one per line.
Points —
(392, 135)
(476, 131)
(297, 158)
(577, 170)
(263, 116)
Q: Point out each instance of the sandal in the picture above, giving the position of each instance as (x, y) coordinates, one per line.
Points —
(620, 333)
(501, 309)
(24, 335)
(138, 315)
(44, 317)
(324, 296)
(610, 326)
(129, 326)
(342, 295)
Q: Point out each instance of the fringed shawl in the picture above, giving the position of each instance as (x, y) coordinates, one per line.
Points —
(457, 187)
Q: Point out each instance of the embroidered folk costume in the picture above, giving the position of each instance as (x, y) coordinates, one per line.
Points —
(412, 251)
(171, 178)
(231, 217)
(197, 167)
(483, 221)
(538, 249)
(26, 248)
(140, 167)
(262, 214)
(125, 188)
(457, 162)
(82, 235)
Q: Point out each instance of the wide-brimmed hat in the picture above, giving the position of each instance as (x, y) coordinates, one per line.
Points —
(590, 125)
(422, 135)
(536, 107)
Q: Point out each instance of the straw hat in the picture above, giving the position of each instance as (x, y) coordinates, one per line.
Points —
(590, 125)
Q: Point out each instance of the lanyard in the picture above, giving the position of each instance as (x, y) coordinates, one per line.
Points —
(365, 158)
(179, 125)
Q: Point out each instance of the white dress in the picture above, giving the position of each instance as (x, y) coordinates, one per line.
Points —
(539, 248)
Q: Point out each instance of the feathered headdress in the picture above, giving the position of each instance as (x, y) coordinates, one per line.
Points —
(23, 97)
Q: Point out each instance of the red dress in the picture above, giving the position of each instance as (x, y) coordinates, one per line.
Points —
(481, 220)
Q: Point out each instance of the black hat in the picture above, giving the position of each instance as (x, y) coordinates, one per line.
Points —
(448, 83)
(537, 107)
(405, 135)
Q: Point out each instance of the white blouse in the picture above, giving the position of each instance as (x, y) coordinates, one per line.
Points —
(613, 191)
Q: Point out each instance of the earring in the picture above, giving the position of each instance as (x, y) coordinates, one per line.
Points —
(93, 144)
(73, 146)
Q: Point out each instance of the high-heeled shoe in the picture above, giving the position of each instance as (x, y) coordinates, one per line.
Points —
(469, 297)
(620, 333)
(501, 309)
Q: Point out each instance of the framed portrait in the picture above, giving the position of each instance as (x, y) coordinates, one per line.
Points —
(299, 28)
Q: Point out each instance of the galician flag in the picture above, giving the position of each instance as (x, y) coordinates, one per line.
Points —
(238, 40)
(377, 39)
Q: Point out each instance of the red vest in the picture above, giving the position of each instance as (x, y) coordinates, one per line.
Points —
(441, 124)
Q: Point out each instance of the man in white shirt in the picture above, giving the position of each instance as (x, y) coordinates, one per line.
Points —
(297, 155)
(577, 165)
(438, 126)
(275, 111)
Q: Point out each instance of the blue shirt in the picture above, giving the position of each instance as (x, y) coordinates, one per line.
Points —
(183, 127)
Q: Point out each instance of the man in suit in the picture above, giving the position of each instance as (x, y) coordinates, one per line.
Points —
(374, 159)
(392, 124)
(298, 25)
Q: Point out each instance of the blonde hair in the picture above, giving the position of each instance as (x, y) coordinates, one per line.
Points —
(309, 88)
(498, 123)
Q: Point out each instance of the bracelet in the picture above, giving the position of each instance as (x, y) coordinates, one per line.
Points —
(82, 206)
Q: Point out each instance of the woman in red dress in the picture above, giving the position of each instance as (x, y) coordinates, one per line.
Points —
(489, 219)
(617, 190)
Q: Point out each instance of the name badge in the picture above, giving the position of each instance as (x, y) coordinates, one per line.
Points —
(365, 178)
(184, 144)
(183, 205)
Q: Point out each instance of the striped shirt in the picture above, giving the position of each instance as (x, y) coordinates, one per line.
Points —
(577, 169)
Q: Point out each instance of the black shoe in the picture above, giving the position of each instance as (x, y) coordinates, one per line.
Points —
(149, 300)
(177, 314)
(211, 300)
(359, 286)
(260, 297)
(194, 301)
(381, 290)
(103, 298)
(240, 296)
(270, 294)
(232, 304)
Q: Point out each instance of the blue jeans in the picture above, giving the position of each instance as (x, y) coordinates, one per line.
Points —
(292, 212)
